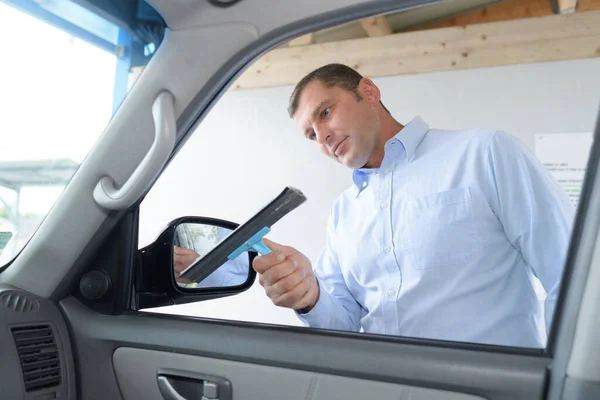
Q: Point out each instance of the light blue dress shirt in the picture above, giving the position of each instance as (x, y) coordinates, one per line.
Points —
(443, 241)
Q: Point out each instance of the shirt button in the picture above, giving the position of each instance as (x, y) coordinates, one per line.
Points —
(387, 249)
(391, 292)
(383, 204)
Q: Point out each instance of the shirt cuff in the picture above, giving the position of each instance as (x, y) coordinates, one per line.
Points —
(318, 316)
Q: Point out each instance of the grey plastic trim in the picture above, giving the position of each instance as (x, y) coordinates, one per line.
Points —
(489, 374)
(579, 389)
(136, 371)
(44, 313)
(105, 192)
(582, 365)
(579, 260)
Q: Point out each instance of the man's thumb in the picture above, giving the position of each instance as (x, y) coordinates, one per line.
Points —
(276, 246)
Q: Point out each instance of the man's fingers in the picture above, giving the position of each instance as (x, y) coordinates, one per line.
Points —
(179, 268)
(287, 282)
(279, 271)
(280, 252)
(185, 252)
(306, 299)
(286, 276)
(293, 297)
(179, 262)
(263, 263)
(274, 246)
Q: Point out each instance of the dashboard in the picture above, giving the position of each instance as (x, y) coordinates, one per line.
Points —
(36, 358)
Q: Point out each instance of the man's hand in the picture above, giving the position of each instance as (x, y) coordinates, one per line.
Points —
(287, 276)
(183, 258)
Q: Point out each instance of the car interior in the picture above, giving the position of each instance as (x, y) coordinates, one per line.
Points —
(70, 300)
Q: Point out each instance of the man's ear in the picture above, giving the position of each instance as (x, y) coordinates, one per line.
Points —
(369, 91)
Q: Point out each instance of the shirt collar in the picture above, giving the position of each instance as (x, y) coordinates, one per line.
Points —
(410, 137)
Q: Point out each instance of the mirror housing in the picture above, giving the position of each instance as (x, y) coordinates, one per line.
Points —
(156, 284)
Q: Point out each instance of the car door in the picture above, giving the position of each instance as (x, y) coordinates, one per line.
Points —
(110, 349)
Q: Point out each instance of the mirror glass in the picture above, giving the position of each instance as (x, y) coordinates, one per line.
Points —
(191, 242)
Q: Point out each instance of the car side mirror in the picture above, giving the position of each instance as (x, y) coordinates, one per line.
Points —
(192, 241)
(179, 247)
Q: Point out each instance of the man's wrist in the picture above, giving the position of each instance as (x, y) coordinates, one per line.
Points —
(308, 308)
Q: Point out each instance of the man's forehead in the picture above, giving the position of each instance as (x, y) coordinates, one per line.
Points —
(313, 94)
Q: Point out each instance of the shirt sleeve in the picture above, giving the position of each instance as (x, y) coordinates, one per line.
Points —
(535, 211)
(336, 308)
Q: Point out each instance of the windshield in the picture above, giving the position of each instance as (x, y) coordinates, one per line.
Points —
(59, 90)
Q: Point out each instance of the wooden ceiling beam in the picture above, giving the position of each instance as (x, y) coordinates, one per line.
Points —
(303, 40)
(588, 5)
(567, 5)
(550, 38)
(508, 10)
(376, 26)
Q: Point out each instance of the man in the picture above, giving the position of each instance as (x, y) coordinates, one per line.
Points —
(440, 235)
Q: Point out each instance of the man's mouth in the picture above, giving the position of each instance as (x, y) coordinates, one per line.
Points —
(337, 146)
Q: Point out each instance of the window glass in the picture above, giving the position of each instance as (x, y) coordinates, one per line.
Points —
(58, 92)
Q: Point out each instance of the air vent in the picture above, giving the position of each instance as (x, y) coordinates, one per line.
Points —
(19, 302)
(38, 353)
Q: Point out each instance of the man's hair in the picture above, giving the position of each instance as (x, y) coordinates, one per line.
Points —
(330, 75)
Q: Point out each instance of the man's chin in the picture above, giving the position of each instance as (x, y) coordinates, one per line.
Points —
(353, 163)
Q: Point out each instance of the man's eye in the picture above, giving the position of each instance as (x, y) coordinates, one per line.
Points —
(326, 112)
(312, 136)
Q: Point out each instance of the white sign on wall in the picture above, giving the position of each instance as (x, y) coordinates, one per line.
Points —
(565, 155)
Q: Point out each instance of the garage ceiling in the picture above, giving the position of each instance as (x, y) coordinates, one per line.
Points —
(451, 35)
(450, 13)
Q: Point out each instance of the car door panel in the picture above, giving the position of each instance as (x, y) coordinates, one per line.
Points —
(483, 371)
(136, 371)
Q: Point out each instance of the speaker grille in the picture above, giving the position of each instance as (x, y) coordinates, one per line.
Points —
(19, 302)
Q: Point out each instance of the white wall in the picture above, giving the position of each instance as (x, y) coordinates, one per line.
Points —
(247, 150)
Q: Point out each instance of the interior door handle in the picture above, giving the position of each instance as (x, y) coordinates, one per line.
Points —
(186, 385)
(105, 192)
(167, 390)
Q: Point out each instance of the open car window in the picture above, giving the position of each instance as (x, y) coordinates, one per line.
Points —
(461, 237)
(70, 71)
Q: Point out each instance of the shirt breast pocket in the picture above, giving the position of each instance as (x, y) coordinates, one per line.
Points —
(440, 230)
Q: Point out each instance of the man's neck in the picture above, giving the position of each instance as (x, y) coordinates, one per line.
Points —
(389, 128)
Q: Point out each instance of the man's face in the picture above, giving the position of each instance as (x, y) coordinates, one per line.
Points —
(345, 129)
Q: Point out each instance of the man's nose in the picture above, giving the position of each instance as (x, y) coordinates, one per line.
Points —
(323, 134)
